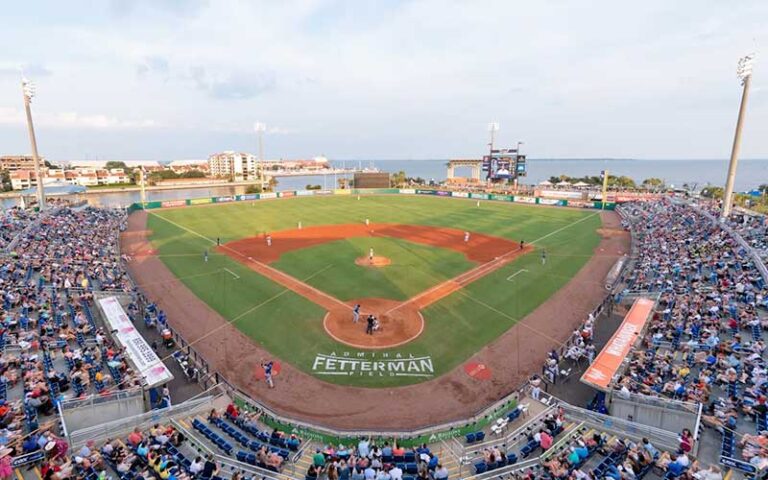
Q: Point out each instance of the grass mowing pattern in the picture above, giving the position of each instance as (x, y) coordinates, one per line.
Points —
(414, 267)
(291, 327)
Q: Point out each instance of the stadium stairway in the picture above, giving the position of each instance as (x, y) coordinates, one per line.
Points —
(200, 445)
(27, 472)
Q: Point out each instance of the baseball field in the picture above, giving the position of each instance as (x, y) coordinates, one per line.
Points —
(287, 274)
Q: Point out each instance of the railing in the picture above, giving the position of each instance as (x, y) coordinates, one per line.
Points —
(143, 421)
(235, 465)
(661, 438)
(78, 402)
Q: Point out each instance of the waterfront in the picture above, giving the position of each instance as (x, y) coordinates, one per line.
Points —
(751, 173)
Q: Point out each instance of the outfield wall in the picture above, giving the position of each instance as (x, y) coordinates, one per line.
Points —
(496, 197)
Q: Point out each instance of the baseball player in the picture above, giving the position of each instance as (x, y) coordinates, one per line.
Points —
(299, 224)
(366, 222)
(370, 255)
(269, 240)
(205, 256)
(267, 366)
(466, 237)
(543, 256)
(356, 313)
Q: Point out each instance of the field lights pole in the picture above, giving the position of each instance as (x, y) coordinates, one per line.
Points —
(744, 72)
(605, 189)
(259, 128)
(28, 91)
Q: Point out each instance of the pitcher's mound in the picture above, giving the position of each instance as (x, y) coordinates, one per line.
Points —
(396, 326)
(376, 261)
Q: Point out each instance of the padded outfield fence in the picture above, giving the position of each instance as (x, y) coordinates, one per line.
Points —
(532, 200)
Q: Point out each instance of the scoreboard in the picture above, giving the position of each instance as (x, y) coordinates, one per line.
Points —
(504, 164)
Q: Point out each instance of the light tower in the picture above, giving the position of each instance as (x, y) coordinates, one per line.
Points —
(260, 128)
(744, 72)
(28, 91)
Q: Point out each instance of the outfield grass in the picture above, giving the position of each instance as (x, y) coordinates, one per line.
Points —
(456, 327)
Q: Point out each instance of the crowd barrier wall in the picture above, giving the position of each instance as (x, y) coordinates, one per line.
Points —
(376, 191)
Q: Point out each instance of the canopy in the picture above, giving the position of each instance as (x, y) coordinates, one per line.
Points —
(563, 184)
(546, 183)
(600, 374)
(580, 184)
(56, 188)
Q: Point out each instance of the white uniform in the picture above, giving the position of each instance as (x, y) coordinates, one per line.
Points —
(466, 237)
(269, 241)
(370, 254)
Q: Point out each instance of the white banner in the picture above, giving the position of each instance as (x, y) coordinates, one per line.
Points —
(561, 194)
(460, 194)
(268, 195)
(304, 193)
(139, 352)
(408, 191)
(525, 199)
(549, 201)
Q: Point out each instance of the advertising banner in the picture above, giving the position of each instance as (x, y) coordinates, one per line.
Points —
(425, 192)
(224, 199)
(342, 191)
(323, 192)
(560, 194)
(443, 193)
(479, 196)
(304, 193)
(174, 203)
(601, 372)
(407, 191)
(268, 195)
(200, 201)
(580, 204)
(551, 201)
(250, 196)
(503, 198)
(139, 352)
(460, 194)
(286, 194)
(525, 199)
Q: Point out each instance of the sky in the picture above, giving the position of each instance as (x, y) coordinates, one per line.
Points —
(182, 79)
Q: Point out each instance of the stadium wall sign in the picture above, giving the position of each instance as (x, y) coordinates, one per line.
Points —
(373, 364)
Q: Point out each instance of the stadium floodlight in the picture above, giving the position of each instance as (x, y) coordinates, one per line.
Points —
(259, 127)
(28, 88)
(28, 92)
(744, 73)
(493, 127)
(744, 67)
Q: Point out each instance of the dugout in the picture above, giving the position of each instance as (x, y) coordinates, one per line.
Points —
(371, 180)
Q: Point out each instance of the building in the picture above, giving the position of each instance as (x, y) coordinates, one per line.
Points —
(86, 177)
(229, 164)
(18, 162)
(181, 166)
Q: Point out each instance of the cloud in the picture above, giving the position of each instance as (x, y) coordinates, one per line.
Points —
(236, 85)
(153, 64)
(124, 8)
(11, 116)
(31, 70)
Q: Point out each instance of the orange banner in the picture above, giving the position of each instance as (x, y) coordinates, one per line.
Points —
(602, 370)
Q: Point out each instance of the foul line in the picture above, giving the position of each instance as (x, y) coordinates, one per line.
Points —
(509, 278)
(237, 277)
(563, 228)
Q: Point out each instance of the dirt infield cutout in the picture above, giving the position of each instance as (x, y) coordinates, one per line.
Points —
(401, 322)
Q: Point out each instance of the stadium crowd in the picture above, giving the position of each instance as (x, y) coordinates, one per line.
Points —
(50, 345)
(705, 342)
